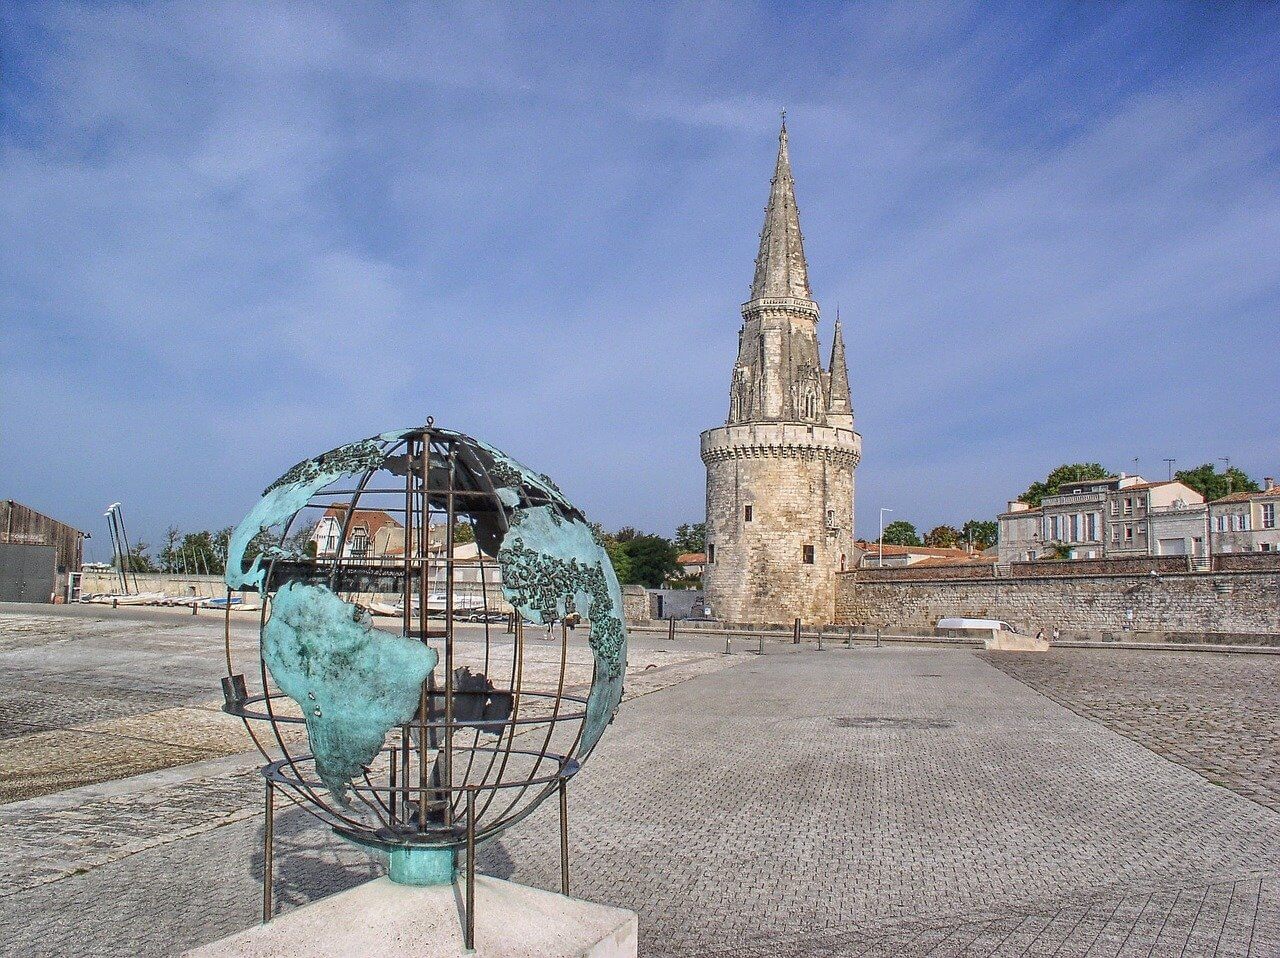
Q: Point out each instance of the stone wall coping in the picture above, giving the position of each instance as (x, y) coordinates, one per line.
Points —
(998, 580)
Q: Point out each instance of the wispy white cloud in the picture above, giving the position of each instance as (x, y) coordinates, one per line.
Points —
(239, 233)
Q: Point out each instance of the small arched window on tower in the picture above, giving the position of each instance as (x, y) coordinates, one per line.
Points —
(831, 518)
(746, 513)
(808, 555)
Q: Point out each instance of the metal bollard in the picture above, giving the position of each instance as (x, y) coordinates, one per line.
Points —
(195, 606)
(877, 638)
(728, 649)
(761, 652)
(671, 630)
(848, 642)
(819, 638)
(795, 633)
(115, 603)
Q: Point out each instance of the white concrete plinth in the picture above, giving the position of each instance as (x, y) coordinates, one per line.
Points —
(389, 920)
(1001, 640)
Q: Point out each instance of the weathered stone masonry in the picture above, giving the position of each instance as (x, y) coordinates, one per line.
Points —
(1225, 604)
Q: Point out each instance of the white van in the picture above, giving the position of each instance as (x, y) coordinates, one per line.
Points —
(974, 625)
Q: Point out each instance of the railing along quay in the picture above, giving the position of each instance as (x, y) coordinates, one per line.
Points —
(844, 637)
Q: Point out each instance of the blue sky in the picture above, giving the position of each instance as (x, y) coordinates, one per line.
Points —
(239, 234)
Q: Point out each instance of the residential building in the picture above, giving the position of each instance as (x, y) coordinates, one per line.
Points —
(1246, 521)
(1155, 518)
(692, 563)
(871, 555)
(373, 534)
(471, 567)
(1105, 518)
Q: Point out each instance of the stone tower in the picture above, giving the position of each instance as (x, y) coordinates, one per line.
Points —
(780, 470)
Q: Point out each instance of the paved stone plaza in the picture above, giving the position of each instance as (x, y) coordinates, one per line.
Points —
(1173, 703)
(896, 801)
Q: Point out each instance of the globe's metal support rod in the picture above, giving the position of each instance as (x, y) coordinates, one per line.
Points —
(406, 741)
(392, 800)
(470, 934)
(407, 615)
(564, 837)
(447, 745)
(268, 834)
(426, 704)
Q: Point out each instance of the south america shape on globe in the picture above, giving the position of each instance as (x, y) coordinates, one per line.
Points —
(353, 682)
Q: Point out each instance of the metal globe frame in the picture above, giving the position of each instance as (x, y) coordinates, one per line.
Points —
(484, 748)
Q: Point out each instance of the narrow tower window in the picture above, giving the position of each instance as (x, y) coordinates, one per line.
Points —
(808, 555)
(746, 514)
(711, 553)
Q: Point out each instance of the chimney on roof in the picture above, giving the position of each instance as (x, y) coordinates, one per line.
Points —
(1268, 483)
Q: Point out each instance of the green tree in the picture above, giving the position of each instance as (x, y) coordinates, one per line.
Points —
(299, 540)
(621, 560)
(138, 560)
(168, 556)
(900, 532)
(1068, 472)
(200, 555)
(652, 560)
(691, 538)
(1214, 485)
(463, 532)
(942, 537)
(981, 532)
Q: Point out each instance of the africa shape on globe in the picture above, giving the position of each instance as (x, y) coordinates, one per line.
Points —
(355, 683)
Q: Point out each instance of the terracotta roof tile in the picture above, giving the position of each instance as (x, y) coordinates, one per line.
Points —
(1247, 496)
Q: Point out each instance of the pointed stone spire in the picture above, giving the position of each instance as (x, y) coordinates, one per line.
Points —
(838, 403)
(781, 269)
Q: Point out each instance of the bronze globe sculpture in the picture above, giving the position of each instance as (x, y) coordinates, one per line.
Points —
(377, 709)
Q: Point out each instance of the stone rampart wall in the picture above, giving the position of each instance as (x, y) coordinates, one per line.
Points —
(1182, 604)
(1136, 565)
(1242, 561)
(174, 584)
(975, 570)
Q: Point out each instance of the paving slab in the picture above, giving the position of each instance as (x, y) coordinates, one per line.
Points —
(851, 802)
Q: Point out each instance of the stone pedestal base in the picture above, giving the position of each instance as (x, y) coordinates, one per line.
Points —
(1002, 641)
(397, 921)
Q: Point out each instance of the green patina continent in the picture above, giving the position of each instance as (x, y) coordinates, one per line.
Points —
(534, 580)
(353, 457)
(354, 683)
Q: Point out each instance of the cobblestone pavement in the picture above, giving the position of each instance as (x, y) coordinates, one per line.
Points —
(1217, 714)
(853, 802)
(138, 689)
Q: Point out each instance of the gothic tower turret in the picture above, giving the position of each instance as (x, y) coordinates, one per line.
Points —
(780, 471)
